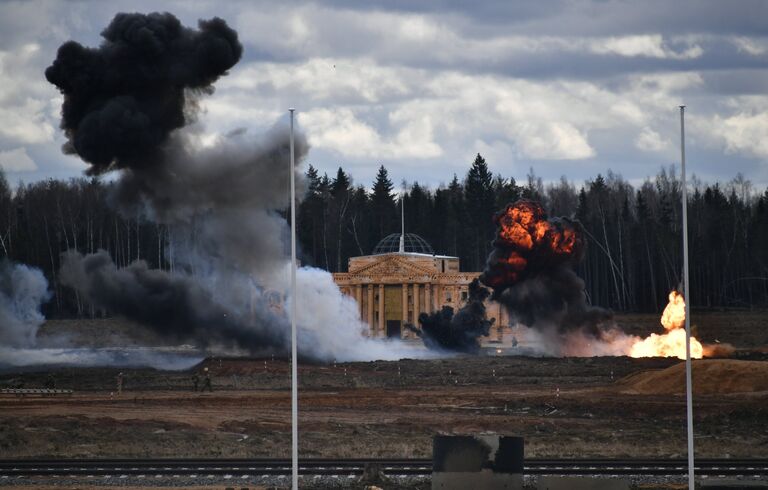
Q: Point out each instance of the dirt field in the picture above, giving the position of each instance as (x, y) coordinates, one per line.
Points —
(570, 407)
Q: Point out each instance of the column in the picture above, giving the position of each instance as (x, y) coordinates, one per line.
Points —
(359, 299)
(370, 310)
(428, 298)
(416, 309)
(382, 329)
(405, 304)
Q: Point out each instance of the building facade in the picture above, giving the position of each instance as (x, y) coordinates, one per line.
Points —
(392, 288)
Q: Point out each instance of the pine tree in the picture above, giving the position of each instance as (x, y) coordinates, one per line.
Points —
(383, 206)
(310, 219)
(480, 201)
(341, 190)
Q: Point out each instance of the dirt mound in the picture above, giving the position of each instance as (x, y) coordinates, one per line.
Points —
(710, 376)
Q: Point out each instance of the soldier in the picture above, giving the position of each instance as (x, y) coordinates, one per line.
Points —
(120, 383)
(207, 380)
(195, 381)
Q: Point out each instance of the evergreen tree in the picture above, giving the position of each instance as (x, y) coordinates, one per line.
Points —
(481, 205)
(310, 219)
(341, 193)
(505, 191)
(384, 212)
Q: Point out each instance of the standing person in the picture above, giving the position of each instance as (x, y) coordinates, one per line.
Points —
(207, 380)
(50, 382)
(120, 383)
(195, 381)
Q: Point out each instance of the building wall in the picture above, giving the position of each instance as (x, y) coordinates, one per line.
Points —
(398, 287)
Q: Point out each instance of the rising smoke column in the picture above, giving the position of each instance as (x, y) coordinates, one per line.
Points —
(530, 270)
(23, 290)
(127, 106)
(457, 332)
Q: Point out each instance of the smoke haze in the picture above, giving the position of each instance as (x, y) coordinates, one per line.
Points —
(23, 290)
(222, 202)
(175, 306)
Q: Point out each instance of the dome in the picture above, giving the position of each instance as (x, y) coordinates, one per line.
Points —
(413, 244)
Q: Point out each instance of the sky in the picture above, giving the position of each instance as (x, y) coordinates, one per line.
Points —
(567, 88)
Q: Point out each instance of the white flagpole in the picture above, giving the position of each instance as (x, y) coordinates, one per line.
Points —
(294, 361)
(687, 296)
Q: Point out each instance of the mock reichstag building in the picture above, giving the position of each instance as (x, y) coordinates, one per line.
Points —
(402, 278)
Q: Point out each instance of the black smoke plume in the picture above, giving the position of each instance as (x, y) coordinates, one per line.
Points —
(123, 99)
(126, 108)
(458, 332)
(531, 270)
(175, 306)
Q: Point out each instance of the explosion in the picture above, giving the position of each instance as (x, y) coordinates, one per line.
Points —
(128, 107)
(672, 343)
(530, 270)
(527, 241)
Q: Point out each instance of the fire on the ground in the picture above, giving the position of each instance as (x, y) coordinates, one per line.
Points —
(671, 343)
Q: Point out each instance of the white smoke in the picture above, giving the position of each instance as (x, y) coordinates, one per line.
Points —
(23, 290)
(549, 341)
(330, 324)
(113, 357)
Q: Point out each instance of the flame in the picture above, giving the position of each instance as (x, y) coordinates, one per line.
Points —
(527, 240)
(672, 343)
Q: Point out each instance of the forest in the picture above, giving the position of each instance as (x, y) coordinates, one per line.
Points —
(634, 245)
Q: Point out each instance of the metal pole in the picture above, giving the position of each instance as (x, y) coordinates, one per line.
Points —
(686, 295)
(294, 363)
(401, 249)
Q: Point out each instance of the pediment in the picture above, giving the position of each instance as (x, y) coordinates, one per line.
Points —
(393, 265)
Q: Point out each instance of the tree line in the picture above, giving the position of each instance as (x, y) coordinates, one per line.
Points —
(633, 257)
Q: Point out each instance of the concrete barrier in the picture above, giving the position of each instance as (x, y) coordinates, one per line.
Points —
(730, 484)
(487, 462)
(580, 483)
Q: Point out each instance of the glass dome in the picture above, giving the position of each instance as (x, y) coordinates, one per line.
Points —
(413, 244)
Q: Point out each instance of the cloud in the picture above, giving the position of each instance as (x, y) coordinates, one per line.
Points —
(650, 140)
(421, 86)
(17, 160)
(652, 46)
(25, 99)
(753, 46)
(746, 133)
(342, 131)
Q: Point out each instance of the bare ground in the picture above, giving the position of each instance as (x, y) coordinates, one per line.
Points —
(568, 407)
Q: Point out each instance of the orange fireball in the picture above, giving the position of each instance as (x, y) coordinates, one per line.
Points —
(672, 343)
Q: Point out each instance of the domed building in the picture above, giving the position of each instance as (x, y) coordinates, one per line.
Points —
(402, 278)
